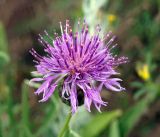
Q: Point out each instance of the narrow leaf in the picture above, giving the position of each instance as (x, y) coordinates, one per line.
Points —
(114, 129)
(99, 123)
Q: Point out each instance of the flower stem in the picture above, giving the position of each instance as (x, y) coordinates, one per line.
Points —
(66, 125)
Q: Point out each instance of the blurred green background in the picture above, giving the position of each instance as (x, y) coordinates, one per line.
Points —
(133, 113)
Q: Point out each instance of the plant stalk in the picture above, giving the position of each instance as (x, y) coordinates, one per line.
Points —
(66, 125)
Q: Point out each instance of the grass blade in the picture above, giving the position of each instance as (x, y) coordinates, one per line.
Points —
(99, 123)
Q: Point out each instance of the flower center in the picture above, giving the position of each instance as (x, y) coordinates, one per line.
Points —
(72, 71)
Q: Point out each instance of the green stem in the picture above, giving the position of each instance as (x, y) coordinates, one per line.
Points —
(66, 125)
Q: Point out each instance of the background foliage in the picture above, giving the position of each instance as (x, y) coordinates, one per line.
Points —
(134, 113)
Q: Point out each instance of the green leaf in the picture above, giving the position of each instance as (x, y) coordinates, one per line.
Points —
(114, 129)
(28, 132)
(25, 104)
(74, 133)
(131, 117)
(3, 39)
(49, 118)
(10, 106)
(99, 123)
(1, 128)
(25, 127)
(139, 93)
(4, 59)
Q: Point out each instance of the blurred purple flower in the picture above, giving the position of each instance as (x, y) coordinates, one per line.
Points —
(78, 60)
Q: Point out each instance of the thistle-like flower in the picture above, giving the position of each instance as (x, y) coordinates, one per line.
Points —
(81, 62)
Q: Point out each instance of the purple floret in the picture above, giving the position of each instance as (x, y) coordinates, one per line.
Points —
(79, 60)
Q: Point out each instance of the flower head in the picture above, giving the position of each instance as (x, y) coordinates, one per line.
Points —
(78, 60)
(111, 18)
(143, 71)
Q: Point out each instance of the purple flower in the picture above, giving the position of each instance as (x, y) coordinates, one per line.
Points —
(79, 61)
